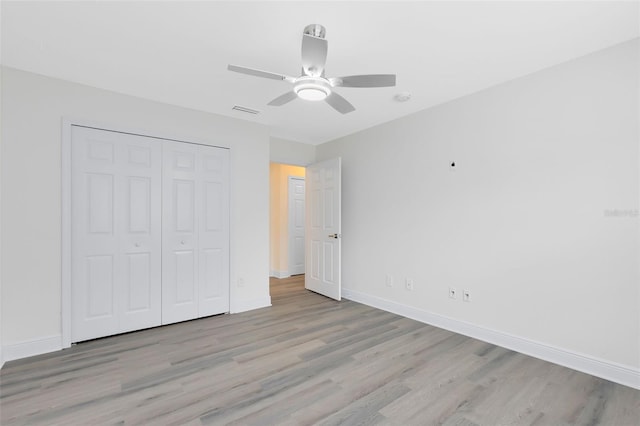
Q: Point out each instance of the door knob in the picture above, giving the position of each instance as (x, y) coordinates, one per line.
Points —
(333, 236)
(137, 244)
(182, 242)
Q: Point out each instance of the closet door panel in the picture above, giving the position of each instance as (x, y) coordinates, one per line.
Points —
(179, 236)
(115, 237)
(214, 231)
(140, 303)
(195, 231)
(94, 266)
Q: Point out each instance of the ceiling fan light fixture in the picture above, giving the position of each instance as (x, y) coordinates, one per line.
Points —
(311, 93)
(312, 89)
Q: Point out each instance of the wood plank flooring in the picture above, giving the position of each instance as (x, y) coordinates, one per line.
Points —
(306, 360)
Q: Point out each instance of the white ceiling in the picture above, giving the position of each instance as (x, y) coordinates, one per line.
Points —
(177, 52)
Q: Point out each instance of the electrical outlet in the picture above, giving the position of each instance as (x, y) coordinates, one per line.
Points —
(453, 293)
(389, 280)
(408, 284)
(240, 282)
(466, 295)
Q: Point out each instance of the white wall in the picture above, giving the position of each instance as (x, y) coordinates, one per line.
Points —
(524, 223)
(291, 152)
(33, 108)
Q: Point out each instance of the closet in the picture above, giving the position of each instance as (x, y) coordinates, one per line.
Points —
(149, 232)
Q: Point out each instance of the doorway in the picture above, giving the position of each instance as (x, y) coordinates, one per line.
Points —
(286, 199)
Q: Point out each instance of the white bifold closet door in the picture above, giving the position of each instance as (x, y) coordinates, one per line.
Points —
(149, 234)
(195, 233)
(115, 236)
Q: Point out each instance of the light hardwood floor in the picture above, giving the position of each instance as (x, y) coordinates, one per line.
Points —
(306, 360)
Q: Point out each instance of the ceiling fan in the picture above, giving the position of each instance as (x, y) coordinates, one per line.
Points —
(312, 85)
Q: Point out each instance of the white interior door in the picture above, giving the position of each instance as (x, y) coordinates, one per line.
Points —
(115, 237)
(323, 228)
(296, 225)
(195, 234)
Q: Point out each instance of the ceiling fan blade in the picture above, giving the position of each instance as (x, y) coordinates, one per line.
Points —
(283, 99)
(371, 80)
(259, 73)
(339, 103)
(314, 55)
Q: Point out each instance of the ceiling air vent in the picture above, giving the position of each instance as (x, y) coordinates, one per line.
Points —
(245, 109)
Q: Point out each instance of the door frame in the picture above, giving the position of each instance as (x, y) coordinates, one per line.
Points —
(66, 226)
(289, 223)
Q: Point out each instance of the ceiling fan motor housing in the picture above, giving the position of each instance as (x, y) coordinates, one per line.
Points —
(315, 30)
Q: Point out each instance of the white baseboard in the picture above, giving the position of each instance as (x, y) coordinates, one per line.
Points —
(44, 345)
(33, 347)
(280, 274)
(614, 372)
(250, 304)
